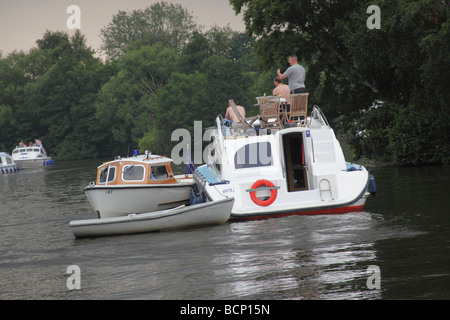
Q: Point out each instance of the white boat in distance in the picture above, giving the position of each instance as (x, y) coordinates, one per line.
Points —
(209, 213)
(281, 163)
(7, 164)
(33, 156)
(137, 184)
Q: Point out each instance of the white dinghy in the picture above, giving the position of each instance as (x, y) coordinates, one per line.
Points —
(207, 213)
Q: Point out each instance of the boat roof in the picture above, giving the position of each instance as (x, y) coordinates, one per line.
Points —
(145, 159)
(34, 145)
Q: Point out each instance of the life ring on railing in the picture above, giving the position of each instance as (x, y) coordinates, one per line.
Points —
(273, 193)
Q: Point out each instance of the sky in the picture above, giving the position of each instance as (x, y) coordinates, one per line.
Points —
(22, 22)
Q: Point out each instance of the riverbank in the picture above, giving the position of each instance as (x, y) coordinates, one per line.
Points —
(350, 155)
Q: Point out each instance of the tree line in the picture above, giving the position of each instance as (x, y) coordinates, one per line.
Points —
(387, 89)
(159, 72)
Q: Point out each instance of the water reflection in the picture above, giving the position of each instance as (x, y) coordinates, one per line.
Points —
(302, 260)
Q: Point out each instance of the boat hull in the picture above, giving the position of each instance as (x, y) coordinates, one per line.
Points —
(210, 213)
(34, 163)
(120, 200)
(356, 206)
(9, 169)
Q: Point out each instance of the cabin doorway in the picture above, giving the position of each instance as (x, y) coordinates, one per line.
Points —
(294, 156)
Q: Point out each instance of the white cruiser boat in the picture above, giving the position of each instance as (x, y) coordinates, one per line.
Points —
(281, 163)
(7, 164)
(137, 184)
(33, 156)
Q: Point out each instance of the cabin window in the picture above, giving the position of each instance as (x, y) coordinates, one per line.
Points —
(133, 173)
(107, 173)
(158, 172)
(36, 149)
(253, 155)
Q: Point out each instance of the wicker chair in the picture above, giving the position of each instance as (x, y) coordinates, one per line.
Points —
(299, 108)
(247, 123)
(270, 113)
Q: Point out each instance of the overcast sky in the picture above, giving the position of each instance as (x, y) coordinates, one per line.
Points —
(22, 22)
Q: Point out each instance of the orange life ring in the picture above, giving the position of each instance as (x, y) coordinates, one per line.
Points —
(273, 193)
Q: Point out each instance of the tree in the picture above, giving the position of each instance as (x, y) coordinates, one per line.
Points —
(13, 117)
(194, 53)
(161, 20)
(58, 103)
(126, 104)
(182, 101)
(349, 66)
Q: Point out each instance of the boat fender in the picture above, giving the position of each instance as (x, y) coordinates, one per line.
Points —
(273, 192)
(372, 186)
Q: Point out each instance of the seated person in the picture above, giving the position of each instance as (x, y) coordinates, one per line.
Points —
(230, 115)
(281, 90)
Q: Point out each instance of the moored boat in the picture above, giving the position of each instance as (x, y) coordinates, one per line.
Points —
(137, 184)
(7, 164)
(209, 213)
(284, 163)
(33, 156)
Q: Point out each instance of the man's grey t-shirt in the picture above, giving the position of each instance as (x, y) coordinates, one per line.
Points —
(296, 74)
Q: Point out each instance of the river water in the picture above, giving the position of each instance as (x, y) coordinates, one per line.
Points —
(397, 249)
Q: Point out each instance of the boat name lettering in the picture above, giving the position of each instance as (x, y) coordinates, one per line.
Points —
(228, 190)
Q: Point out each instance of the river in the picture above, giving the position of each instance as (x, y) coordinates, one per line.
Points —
(398, 248)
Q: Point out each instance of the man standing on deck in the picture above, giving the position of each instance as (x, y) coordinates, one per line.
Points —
(296, 74)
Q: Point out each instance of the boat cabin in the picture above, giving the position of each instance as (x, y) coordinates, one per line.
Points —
(143, 169)
(7, 163)
(298, 154)
(29, 152)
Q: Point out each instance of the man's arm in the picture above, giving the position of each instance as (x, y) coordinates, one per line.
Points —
(281, 75)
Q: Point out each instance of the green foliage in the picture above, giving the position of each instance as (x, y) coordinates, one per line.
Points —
(405, 64)
(55, 87)
(419, 137)
(126, 104)
(166, 75)
(162, 21)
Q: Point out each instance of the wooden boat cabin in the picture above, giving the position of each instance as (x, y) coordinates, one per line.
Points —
(142, 169)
